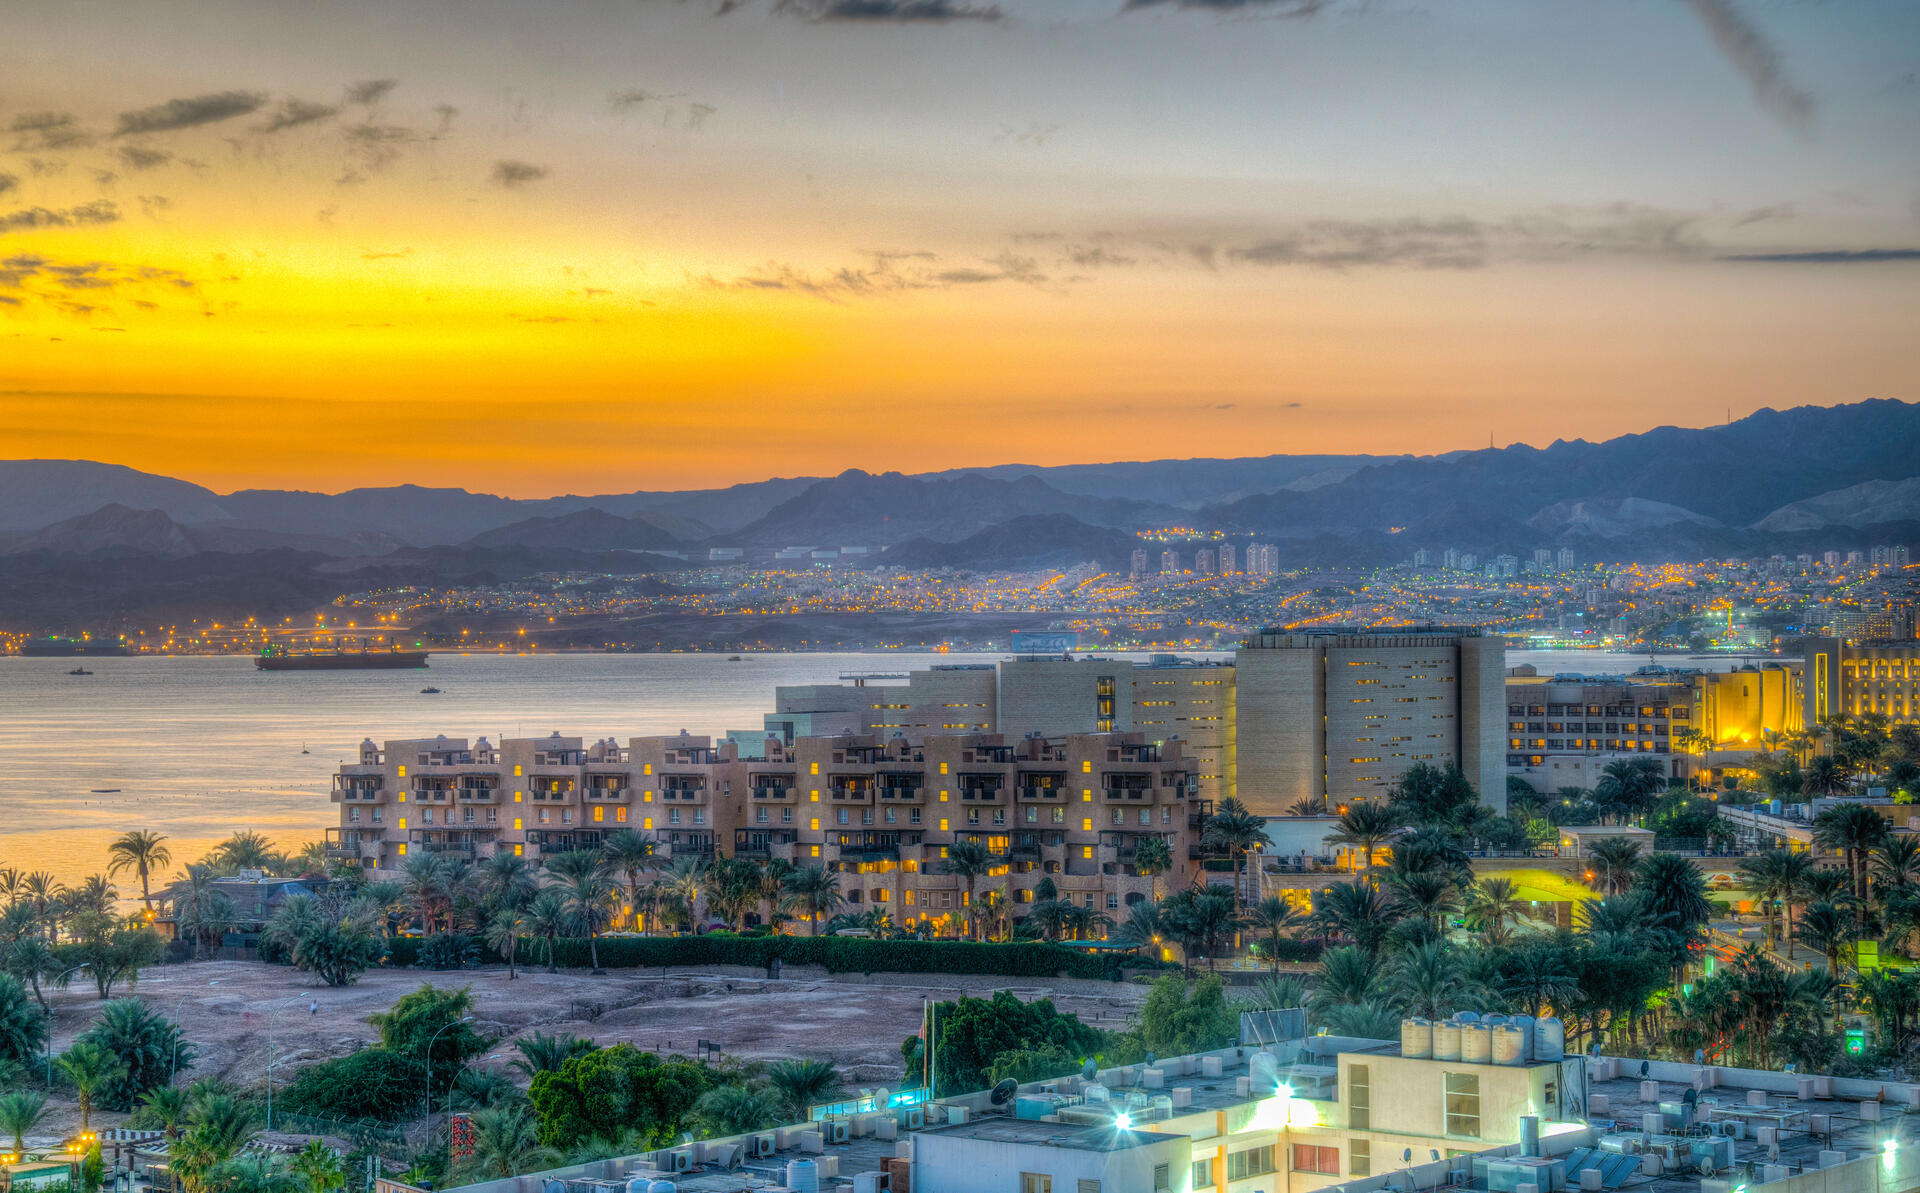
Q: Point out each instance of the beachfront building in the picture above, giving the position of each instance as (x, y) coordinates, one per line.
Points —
(880, 811)
(1854, 679)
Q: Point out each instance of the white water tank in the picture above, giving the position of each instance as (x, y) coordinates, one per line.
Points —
(1466, 1016)
(1446, 1041)
(1509, 1045)
(1527, 1028)
(663, 1187)
(1493, 1021)
(1549, 1040)
(803, 1176)
(1416, 1037)
(1476, 1044)
(639, 1184)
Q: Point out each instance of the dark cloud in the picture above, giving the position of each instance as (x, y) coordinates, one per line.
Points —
(1032, 134)
(697, 115)
(1757, 61)
(371, 92)
(190, 112)
(1828, 257)
(510, 173)
(47, 130)
(292, 113)
(633, 97)
(31, 277)
(1458, 242)
(8, 182)
(139, 157)
(32, 218)
(1776, 211)
(891, 272)
(1275, 8)
(902, 11)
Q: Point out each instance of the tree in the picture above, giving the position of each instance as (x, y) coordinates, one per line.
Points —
(200, 912)
(542, 1052)
(1347, 974)
(431, 882)
(1185, 1017)
(1428, 982)
(1430, 897)
(611, 1089)
(149, 1048)
(800, 1084)
(970, 1033)
(1612, 860)
(971, 861)
(1153, 856)
(90, 1069)
(1433, 796)
(506, 882)
(20, 1112)
(431, 1018)
(506, 1142)
(1354, 911)
(590, 898)
(318, 1168)
(548, 918)
(1490, 905)
(246, 850)
(733, 1110)
(503, 935)
(1364, 828)
(1275, 917)
(1828, 929)
(23, 1025)
(112, 951)
(1201, 921)
(732, 888)
(814, 893)
(630, 851)
(334, 943)
(1853, 830)
(1238, 832)
(142, 852)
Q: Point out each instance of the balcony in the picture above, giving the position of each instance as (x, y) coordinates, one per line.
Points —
(773, 793)
(480, 794)
(609, 794)
(1040, 792)
(982, 792)
(431, 795)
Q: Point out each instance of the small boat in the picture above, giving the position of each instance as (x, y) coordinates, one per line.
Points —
(734, 658)
(106, 791)
(79, 671)
(429, 691)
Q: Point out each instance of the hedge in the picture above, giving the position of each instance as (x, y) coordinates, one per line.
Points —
(838, 954)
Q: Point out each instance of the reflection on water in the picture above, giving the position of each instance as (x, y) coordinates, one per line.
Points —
(197, 748)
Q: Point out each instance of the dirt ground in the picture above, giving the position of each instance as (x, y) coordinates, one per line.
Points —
(228, 1009)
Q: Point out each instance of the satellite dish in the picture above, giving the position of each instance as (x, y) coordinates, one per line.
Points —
(1691, 1097)
(1090, 1071)
(1643, 1070)
(881, 1097)
(1003, 1093)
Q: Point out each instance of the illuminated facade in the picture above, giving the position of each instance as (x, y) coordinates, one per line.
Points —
(1843, 679)
(880, 811)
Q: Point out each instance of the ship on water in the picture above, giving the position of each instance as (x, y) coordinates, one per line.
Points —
(275, 658)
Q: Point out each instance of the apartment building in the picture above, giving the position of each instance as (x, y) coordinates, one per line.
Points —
(1341, 713)
(1847, 679)
(1564, 730)
(880, 810)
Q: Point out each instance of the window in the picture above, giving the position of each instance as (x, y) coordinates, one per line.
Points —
(1035, 1182)
(1359, 1097)
(1359, 1157)
(1088, 1184)
(1306, 1158)
(1162, 1179)
(1463, 1104)
(1202, 1173)
(1255, 1161)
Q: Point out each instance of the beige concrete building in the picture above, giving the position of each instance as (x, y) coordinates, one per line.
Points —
(1843, 679)
(879, 810)
(1340, 714)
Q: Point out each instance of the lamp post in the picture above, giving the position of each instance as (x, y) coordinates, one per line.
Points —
(270, 1012)
(173, 1063)
(63, 977)
(429, 1079)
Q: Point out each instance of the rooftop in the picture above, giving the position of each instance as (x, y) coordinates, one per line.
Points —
(996, 1129)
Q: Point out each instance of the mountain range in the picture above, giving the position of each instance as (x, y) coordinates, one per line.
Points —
(1806, 478)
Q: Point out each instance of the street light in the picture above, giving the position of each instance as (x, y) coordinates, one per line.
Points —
(63, 977)
(270, 1011)
(429, 1080)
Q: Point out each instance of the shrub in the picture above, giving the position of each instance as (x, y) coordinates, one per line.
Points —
(150, 1048)
(372, 1083)
(23, 1025)
(612, 1090)
(448, 950)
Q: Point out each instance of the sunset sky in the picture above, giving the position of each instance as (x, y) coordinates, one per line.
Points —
(600, 245)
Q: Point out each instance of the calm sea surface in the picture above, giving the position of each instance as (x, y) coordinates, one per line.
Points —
(200, 747)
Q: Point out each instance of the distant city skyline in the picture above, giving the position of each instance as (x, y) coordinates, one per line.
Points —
(683, 244)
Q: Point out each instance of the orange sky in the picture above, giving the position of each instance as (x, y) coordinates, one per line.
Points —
(650, 246)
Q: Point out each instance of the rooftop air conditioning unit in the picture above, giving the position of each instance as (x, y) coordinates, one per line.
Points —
(913, 1118)
(762, 1146)
(836, 1131)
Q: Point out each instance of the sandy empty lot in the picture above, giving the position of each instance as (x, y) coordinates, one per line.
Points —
(228, 1008)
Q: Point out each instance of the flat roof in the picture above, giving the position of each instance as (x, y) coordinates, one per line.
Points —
(997, 1128)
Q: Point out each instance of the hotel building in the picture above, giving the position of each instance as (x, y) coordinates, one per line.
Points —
(1844, 679)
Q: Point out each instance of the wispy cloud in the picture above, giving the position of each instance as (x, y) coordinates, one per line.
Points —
(1275, 8)
(1757, 60)
(1828, 257)
(8, 182)
(47, 130)
(902, 11)
(190, 112)
(372, 91)
(512, 173)
(29, 219)
(140, 157)
(292, 113)
(82, 289)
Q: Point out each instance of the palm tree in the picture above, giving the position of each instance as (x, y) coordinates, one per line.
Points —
(1312, 805)
(683, 884)
(506, 1142)
(1853, 830)
(1613, 860)
(814, 892)
(318, 1168)
(1202, 920)
(142, 852)
(1354, 911)
(432, 882)
(1238, 832)
(774, 873)
(1539, 980)
(629, 851)
(1364, 828)
(1142, 925)
(734, 1110)
(548, 918)
(1153, 856)
(576, 863)
(90, 1068)
(1275, 917)
(506, 881)
(590, 899)
(1675, 892)
(971, 861)
(800, 1084)
(545, 1053)
(245, 850)
(1825, 776)
(1429, 896)
(503, 935)
(1777, 876)
(1348, 974)
(1828, 929)
(1427, 981)
(20, 1112)
(1491, 904)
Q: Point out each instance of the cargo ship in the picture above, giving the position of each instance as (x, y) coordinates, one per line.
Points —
(65, 648)
(278, 659)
